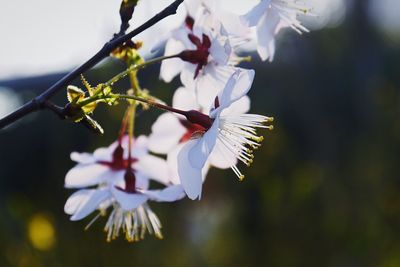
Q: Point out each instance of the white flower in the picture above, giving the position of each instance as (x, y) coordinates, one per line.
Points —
(270, 16)
(123, 184)
(171, 131)
(207, 50)
(235, 134)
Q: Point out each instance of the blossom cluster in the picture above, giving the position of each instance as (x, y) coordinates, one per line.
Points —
(206, 126)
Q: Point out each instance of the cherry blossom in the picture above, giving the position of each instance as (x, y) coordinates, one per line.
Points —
(121, 182)
(171, 131)
(206, 49)
(269, 17)
(235, 134)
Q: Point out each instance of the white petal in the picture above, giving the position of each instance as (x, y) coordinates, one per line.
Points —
(238, 107)
(139, 147)
(210, 83)
(200, 151)
(104, 153)
(187, 75)
(75, 200)
(233, 24)
(84, 202)
(266, 31)
(168, 194)
(237, 86)
(165, 133)
(83, 175)
(83, 158)
(171, 67)
(254, 15)
(220, 52)
(128, 201)
(184, 99)
(172, 161)
(142, 181)
(221, 157)
(190, 176)
(154, 168)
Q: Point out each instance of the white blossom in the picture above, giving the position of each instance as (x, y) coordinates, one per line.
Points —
(235, 134)
(121, 183)
(207, 48)
(269, 17)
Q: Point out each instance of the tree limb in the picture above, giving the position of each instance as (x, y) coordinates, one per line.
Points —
(41, 101)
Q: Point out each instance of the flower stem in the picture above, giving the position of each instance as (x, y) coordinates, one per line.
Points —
(132, 68)
(150, 102)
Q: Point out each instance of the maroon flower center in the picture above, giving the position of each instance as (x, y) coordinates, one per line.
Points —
(199, 56)
(196, 123)
(191, 130)
(130, 181)
(118, 162)
(189, 22)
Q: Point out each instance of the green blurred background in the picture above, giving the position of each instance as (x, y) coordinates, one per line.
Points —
(324, 189)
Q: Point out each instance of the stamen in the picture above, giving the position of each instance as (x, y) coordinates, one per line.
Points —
(134, 223)
(238, 133)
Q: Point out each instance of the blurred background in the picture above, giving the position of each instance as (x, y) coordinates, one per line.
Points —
(324, 189)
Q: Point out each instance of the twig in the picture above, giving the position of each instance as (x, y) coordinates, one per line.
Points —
(39, 102)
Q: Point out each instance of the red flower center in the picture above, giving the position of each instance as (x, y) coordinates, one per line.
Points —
(189, 22)
(199, 56)
(118, 162)
(191, 130)
(196, 123)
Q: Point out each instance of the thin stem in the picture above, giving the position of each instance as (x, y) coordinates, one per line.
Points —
(122, 130)
(132, 111)
(132, 115)
(149, 102)
(132, 68)
(38, 102)
(121, 75)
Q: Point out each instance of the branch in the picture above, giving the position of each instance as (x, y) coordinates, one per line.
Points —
(40, 102)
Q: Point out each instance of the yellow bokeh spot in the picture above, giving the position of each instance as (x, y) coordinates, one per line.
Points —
(41, 232)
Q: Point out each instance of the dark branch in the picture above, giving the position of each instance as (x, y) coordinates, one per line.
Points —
(39, 102)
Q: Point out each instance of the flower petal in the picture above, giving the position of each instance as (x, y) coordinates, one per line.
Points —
(190, 176)
(139, 148)
(83, 175)
(200, 151)
(252, 18)
(221, 157)
(220, 51)
(266, 31)
(172, 161)
(84, 202)
(153, 167)
(168, 194)
(237, 86)
(83, 158)
(171, 67)
(211, 82)
(128, 201)
(184, 99)
(165, 133)
(238, 107)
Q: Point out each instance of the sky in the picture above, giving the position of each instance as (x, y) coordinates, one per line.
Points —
(47, 36)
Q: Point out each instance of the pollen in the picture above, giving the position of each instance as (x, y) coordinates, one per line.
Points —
(134, 224)
(269, 119)
(238, 135)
